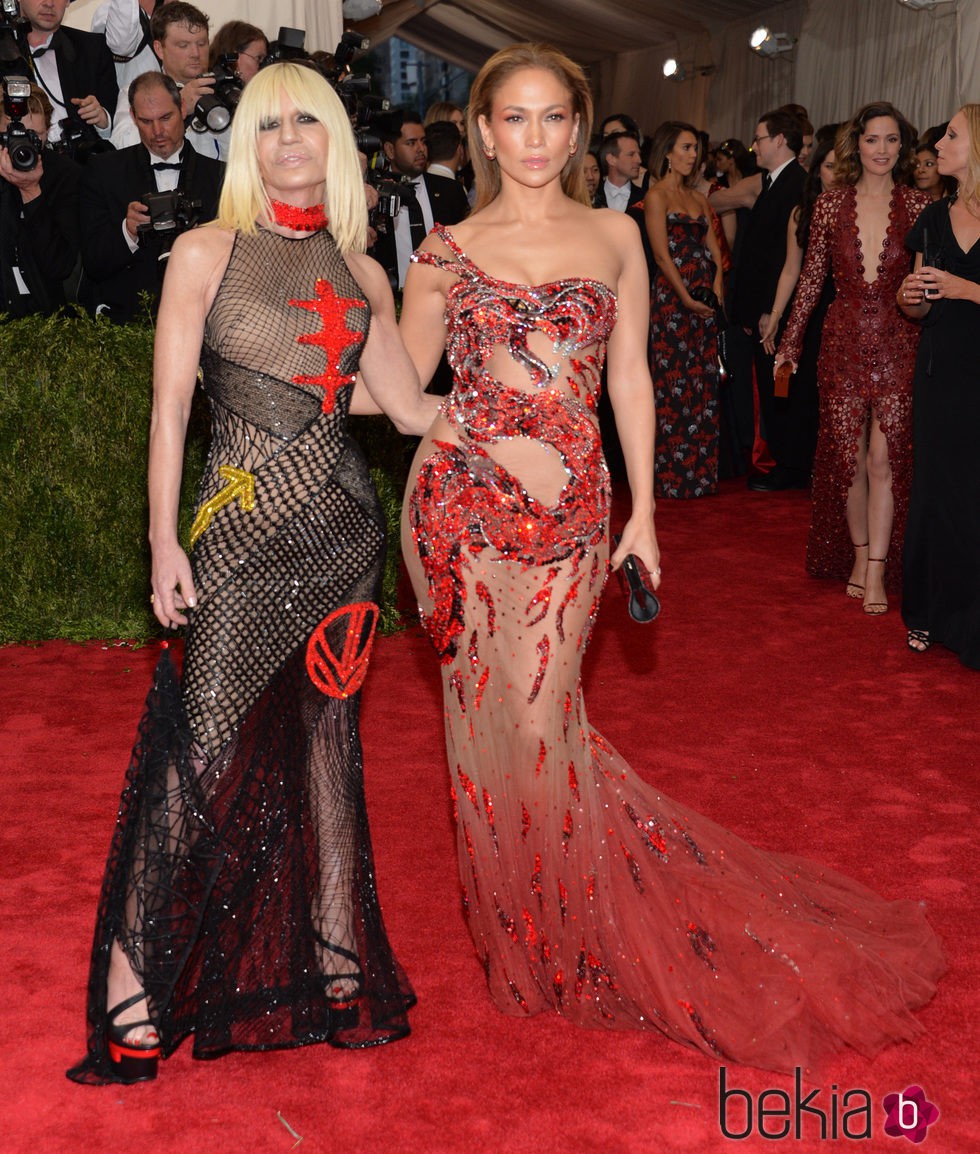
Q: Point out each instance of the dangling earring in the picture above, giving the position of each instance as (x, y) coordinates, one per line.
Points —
(489, 151)
(670, 167)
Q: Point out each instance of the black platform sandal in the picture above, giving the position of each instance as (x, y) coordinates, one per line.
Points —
(918, 640)
(343, 991)
(132, 1061)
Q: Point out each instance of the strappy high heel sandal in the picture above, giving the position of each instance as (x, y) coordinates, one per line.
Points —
(343, 991)
(918, 640)
(853, 588)
(876, 608)
(132, 1061)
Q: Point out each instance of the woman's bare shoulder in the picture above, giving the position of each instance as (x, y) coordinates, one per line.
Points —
(202, 248)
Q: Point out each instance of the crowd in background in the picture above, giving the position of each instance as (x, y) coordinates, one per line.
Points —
(778, 256)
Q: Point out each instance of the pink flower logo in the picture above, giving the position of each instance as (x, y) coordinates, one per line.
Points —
(910, 1114)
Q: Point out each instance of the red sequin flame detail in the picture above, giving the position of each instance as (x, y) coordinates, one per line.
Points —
(334, 338)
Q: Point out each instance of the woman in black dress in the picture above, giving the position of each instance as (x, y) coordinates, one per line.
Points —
(941, 573)
(239, 902)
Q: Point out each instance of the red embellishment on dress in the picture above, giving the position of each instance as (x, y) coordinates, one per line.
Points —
(338, 651)
(334, 338)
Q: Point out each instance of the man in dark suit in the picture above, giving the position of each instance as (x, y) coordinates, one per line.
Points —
(788, 424)
(431, 199)
(121, 255)
(619, 160)
(74, 68)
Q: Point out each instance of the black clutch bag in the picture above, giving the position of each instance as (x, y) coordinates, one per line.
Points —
(644, 604)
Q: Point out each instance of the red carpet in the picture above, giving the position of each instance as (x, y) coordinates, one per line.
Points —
(761, 697)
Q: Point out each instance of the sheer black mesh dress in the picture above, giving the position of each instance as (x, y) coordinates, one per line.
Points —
(240, 880)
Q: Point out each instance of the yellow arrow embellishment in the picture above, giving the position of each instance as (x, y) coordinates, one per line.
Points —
(241, 485)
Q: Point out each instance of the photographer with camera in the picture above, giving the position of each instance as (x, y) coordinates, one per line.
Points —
(74, 68)
(180, 41)
(243, 45)
(420, 199)
(125, 24)
(127, 225)
(38, 199)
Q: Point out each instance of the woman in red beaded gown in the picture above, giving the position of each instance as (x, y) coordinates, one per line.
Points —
(863, 465)
(683, 325)
(587, 891)
(239, 902)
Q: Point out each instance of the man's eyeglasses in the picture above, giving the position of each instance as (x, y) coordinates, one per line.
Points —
(757, 139)
(259, 60)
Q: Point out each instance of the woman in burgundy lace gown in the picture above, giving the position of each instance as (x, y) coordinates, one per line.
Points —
(863, 464)
(683, 325)
(587, 891)
(239, 902)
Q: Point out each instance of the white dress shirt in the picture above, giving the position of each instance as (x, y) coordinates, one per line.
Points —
(617, 196)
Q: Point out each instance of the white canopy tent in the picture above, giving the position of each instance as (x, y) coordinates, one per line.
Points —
(844, 52)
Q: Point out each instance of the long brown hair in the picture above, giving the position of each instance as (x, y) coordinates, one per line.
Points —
(497, 70)
(847, 156)
(663, 142)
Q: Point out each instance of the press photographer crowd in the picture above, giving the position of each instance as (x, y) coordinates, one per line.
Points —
(773, 355)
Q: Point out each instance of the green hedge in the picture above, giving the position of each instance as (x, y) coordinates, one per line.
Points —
(74, 415)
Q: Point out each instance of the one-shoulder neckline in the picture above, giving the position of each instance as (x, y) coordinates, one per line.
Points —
(450, 241)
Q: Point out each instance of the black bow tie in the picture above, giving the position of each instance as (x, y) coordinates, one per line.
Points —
(36, 52)
(160, 164)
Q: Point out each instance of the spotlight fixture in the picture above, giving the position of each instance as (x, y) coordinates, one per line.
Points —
(768, 43)
(923, 5)
(676, 70)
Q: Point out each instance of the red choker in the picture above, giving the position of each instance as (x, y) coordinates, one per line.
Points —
(310, 219)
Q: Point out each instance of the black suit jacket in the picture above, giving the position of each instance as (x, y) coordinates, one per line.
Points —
(85, 68)
(762, 251)
(40, 238)
(449, 206)
(113, 276)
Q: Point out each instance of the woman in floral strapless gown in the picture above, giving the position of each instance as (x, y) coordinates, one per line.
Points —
(587, 891)
(683, 324)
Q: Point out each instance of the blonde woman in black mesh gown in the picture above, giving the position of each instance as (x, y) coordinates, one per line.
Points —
(239, 900)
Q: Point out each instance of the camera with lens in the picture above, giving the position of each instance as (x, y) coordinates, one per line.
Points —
(170, 213)
(79, 140)
(214, 110)
(22, 144)
(14, 55)
(392, 194)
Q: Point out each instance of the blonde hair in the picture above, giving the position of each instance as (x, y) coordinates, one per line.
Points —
(970, 187)
(497, 71)
(441, 110)
(243, 195)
